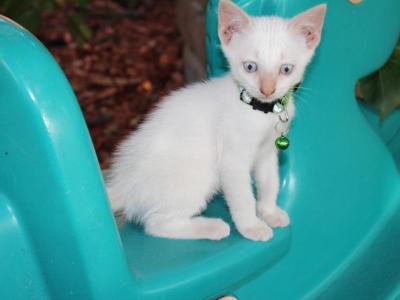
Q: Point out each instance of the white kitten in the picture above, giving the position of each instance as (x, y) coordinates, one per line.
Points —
(203, 138)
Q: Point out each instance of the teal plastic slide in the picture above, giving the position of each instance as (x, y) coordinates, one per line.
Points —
(340, 185)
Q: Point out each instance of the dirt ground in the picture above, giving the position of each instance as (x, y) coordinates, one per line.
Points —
(133, 58)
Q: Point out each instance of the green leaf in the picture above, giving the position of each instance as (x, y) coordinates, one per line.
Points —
(80, 31)
(381, 89)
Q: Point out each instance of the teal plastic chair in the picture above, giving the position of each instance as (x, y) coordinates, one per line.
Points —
(340, 185)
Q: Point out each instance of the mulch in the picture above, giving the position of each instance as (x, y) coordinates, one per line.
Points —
(133, 59)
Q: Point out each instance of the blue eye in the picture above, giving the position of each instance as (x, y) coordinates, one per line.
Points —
(250, 66)
(286, 69)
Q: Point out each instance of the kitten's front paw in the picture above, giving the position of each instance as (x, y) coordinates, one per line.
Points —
(219, 230)
(257, 232)
(275, 218)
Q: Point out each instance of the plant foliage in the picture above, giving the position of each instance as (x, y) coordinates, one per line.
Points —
(29, 13)
(381, 89)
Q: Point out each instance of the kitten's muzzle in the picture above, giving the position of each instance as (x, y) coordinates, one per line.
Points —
(268, 85)
(268, 91)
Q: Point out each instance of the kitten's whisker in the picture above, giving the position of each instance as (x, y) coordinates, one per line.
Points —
(305, 93)
(302, 88)
(303, 100)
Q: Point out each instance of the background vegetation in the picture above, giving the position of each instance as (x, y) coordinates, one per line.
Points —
(120, 56)
(381, 89)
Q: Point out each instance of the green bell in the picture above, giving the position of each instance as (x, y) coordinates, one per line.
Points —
(282, 142)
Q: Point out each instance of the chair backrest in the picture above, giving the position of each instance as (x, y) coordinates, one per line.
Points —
(50, 184)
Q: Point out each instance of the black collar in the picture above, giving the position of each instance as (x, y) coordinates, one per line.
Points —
(265, 107)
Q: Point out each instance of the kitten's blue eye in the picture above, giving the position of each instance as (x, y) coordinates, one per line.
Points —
(286, 69)
(250, 66)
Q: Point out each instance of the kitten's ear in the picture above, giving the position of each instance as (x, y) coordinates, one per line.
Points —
(309, 24)
(231, 20)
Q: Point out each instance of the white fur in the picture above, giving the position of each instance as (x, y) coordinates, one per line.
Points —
(202, 138)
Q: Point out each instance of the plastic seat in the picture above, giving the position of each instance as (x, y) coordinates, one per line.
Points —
(340, 184)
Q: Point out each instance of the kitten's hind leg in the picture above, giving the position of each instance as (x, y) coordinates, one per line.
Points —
(190, 228)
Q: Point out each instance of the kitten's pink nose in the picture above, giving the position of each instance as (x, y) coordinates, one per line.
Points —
(268, 85)
(267, 91)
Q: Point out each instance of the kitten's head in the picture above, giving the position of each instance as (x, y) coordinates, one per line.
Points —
(268, 55)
